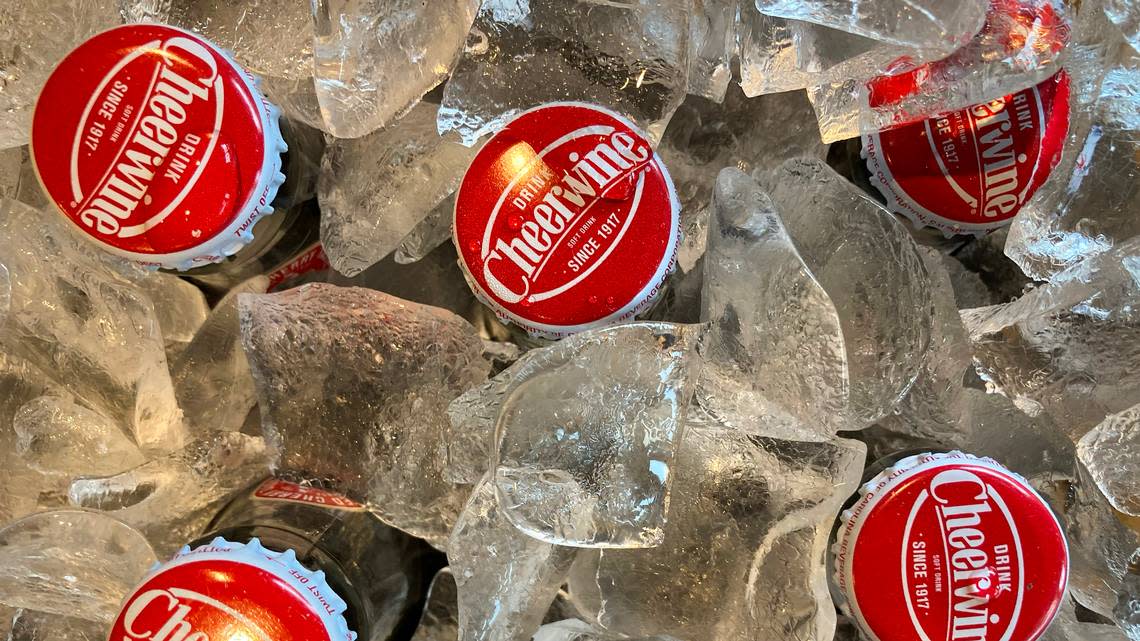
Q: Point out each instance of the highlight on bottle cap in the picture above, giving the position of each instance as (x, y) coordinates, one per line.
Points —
(567, 220)
(157, 146)
(970, 171)
(950, 546)
(227, 590)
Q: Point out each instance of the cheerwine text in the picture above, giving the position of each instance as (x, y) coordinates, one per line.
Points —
(551, 207)
(995, 130)
(157, 142)
(979, 569)
(166, 615)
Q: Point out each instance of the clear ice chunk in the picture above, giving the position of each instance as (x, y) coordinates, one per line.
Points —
(1090, 201)
(375, 190)
(374, 59)
(353, 386)
(1021, 44)
(776, 360)
(72, 563)
(712, 43)
(743, 554)
(1111, 453)
(506, 579)
(211, 376)
(440, 618)
(631, 57)
(1070, 348)
(870, 267)
(578, 630)
(97, 333)
(431, 232)
(1066, 627)
(267, 37)
(55, 435)
(1126, 15)
(587, 443)
(911, 23)
(30, 625)
(34, 37)
(172, 498)
(180, 307)
(18, 177)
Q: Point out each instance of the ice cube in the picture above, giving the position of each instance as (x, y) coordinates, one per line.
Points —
(34, 37)
(912, 23)
(577, 630)
(776, 357)
(376, 189)
(1020, 46)
(1068, 348)
(743, 553)
(587, 441)
(870, 267)
(180, 307)
(440, 619)
(712, 44)
(1127, 610)
(95, 331)
(1102, 544)
(374, 59)
(72, 563)
(30, 625)
(172, 498)
(267, 37)
(631, 57)
(506, 579)
(353, 386)
(1126, 15)
(431, 232)
(18, 177)
(1111, 453)
(1066, 627)
(211, 376)
(55, 435)
(1089, 203)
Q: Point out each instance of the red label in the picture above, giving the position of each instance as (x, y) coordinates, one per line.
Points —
(312, 259)
(956, 548)
(970, 171)
(152, 141)
(567, 220)
(216, 600)
(278, 490)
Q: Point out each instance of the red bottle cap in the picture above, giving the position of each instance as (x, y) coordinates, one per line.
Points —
(970, 171)
(951, 546)
(231, 591)
(567, 220)
(158, 146)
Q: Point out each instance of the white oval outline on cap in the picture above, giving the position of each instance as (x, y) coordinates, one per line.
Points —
(638, 300)
(225, 242)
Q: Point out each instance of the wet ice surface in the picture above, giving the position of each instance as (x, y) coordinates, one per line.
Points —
(172, 498)
(180, 307)
(55, 435)
(374, 59)
(712, 44)
(587, 440)
(630, 57)
(1111, 453)
(211, 375)
(71, 563)
(901, 22)
(267, 37)
(1089, 203)
(1022, 43)
(742, 556)
(1068, 348)
(506, 579)
(870, 267)
(777, 360)
(87, 325)
(34, 37)
(376, 190)
(372, 375)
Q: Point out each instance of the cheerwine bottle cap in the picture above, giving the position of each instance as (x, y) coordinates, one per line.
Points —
(158, 146)
(567, 220)
(970, 171)
(950, 546)
(228, 590)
